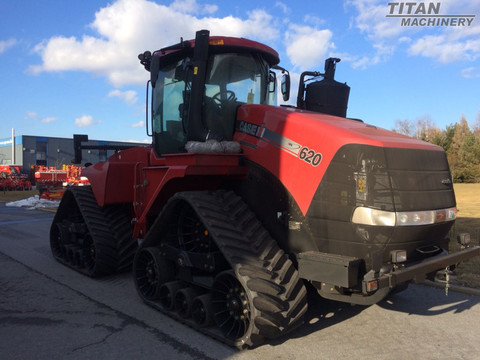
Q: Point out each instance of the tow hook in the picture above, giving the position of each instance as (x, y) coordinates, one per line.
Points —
(447, 279)
(444, 277)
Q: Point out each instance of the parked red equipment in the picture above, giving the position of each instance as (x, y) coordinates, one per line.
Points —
(52, 182)
(11, 178)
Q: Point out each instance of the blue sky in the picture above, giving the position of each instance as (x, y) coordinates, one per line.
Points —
(71, 66)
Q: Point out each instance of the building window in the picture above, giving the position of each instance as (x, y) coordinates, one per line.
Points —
(102, 155)
(41, 153)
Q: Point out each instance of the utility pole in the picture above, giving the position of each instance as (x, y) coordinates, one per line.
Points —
(13, 146)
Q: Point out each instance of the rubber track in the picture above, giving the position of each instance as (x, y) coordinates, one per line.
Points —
(108, 228)
(279, 296)
(119, 221)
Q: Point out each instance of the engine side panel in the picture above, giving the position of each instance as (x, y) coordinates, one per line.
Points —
(113, 180)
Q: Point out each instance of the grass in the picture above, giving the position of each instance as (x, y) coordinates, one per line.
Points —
(7, 196)
(468, 220)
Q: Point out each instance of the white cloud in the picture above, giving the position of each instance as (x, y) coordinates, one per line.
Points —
(30, 115)
(404, 39)
(383, 33)
(259, 26)
(307, 47)
(364, 61)
(6, 44)
(470, 72)
(86, 121)
(138, 124)
(126, 28)
(129, 97)
(382, 53)
(372, 20)
(34, 116)
(282, 7)
(192, 7)
(49, 120)
(447, 44)
(313, 20)
(452, 43)
(448, 48)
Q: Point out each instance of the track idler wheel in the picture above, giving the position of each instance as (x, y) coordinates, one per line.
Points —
(151, 270)
(231, 307)
(58, 237)
(202, 312)
(183, 301)
(167, 294)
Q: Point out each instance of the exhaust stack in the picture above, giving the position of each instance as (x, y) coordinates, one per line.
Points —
(326, 96)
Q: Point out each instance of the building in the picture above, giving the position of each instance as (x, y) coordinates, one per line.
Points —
(28, 150)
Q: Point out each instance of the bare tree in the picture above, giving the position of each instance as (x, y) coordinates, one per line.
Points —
(425, 128)
(404, 127)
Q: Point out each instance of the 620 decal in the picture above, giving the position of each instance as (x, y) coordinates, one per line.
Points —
(310, 156)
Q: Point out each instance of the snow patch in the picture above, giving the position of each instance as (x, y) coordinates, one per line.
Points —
(34, 202)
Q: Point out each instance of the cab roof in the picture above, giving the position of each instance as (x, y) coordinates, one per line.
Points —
(224, 44)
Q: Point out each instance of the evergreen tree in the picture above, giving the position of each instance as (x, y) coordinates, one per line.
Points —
(444, 138)
(464, 154)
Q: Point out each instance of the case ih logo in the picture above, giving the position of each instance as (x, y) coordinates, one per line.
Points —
(425, 14)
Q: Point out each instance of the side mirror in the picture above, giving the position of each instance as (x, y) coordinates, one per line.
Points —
(272, 81)
(286, 86)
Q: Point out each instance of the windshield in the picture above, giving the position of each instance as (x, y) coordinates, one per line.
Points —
(243, 75)
(232, 80)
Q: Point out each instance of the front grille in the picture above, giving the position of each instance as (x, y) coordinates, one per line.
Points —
(384, 179)
(420, 179)
(390, 179)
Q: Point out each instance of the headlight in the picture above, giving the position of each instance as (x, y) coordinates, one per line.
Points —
(369, 216)
(398, 256)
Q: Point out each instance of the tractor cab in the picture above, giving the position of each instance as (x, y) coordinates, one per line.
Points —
(198, 86)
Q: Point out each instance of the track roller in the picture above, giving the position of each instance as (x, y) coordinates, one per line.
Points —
(183, 301)
(202, 312)
(167, 294)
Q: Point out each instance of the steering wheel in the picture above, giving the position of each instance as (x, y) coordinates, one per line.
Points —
(227, 95)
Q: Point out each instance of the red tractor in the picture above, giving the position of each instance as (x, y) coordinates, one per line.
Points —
(239, 205)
